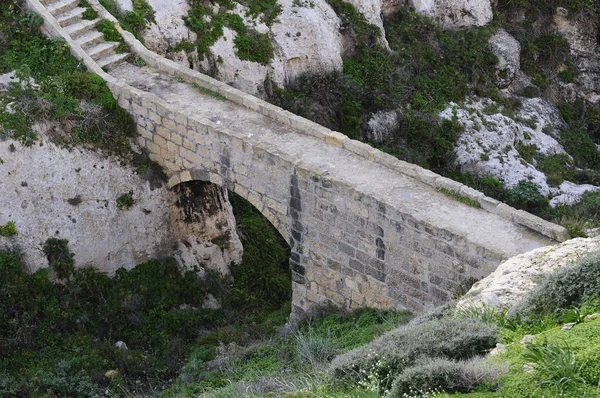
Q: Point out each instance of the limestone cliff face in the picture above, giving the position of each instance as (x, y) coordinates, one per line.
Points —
(582, 32)
(306, 38)
(53, 192)
(203, 220)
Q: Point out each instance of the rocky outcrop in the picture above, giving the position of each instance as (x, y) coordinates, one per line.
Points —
(203, 218)
(373, 12)
(505, 145)
(517, 276)
(453, 14)
(306, 38)
(169, 29)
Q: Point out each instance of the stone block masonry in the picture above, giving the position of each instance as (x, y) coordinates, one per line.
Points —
(348, 247)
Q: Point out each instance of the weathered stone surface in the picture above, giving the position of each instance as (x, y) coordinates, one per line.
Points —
(581, 31)
(169, 29)
(508, 51)
(50, 192)
(203, 219)
(454, 14)
(517, 276)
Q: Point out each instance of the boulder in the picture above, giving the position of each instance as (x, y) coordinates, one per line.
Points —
(508, 51)
(169, 29)
(517, 276)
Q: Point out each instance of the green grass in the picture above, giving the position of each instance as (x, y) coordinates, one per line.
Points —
(458, 196)
(293, 362)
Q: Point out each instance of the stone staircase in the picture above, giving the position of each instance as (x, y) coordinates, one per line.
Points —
(70, 17)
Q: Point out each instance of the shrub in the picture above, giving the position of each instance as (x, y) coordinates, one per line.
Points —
(446, 375)
(65, 379)
(254, 46)
(59, 257)
(526, 195)
(570, 286)
(581, 146)
(107, 28)
(583, 214)
(530, 92)
(557, 168)
(394, 351)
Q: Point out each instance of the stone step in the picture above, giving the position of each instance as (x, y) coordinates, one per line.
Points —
(70, 17)
(103, 50)
(81, 27)
(113, 60)
(57, 7)
(90, 39)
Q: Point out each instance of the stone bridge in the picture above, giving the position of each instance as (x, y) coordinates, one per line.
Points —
(365, 229)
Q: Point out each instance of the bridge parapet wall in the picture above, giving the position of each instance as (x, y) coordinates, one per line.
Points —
(348, 248)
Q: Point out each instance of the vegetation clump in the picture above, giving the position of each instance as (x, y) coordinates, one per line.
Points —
(60, 257)
(89, 13)
(566, 288)
(110, 33)
(250, 45)
(134, 21)
(9, 229)
(393, 353)
(125, 201)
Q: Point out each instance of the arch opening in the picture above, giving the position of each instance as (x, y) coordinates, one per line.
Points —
(263, 277)
(219, 230)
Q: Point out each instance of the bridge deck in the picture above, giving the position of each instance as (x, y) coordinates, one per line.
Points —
(395, 189)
